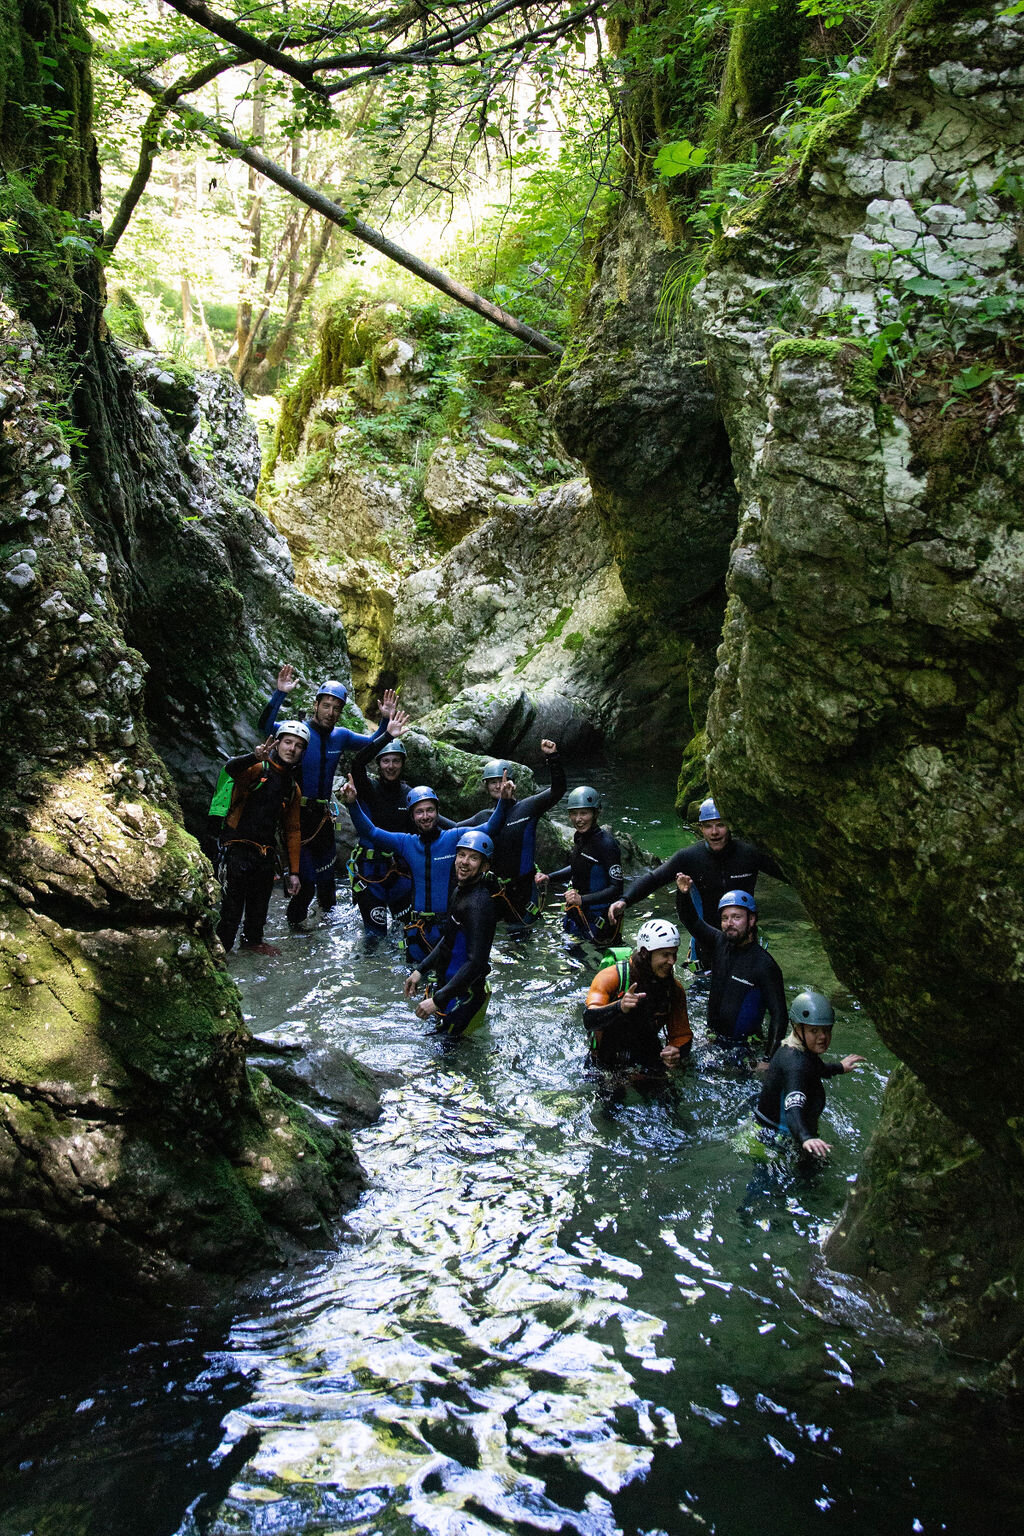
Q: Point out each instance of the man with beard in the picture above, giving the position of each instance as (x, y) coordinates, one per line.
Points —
(746, 982)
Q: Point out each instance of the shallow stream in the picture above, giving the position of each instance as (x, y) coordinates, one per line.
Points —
(549, 1314)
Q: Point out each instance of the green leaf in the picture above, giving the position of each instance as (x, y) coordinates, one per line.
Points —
(679, 158)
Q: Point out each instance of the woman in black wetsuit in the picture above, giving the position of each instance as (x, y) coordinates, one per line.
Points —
(793, 1095)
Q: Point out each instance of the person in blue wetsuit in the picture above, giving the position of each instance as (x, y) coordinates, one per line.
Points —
(380, 881)
(428, 852)
(594, 872)
(793, 1094)
(515, 846)
(718, 863)
(461, 957)
(746, 982)
(328, 740)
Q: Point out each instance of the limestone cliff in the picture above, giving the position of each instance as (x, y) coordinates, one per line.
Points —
(860, 315)
(136, 1154)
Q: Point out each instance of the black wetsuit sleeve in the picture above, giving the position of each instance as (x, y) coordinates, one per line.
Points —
(479, 920)
(476, 820)
(793, 1094)
(536, 805)
(610, 855)
(360, 777)
(557, 876)
(775, 996)
(696, 925)
(665, 874)
(768, 866)
(237, 765)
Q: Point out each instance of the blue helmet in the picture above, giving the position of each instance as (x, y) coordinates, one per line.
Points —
(583, 799)
(392, 746)
(478, 841)
(496, 768)
(738, 899)
(709, 812)
(333, 689)
(421, 792)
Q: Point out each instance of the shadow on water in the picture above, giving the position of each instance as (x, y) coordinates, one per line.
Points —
(552, 1312)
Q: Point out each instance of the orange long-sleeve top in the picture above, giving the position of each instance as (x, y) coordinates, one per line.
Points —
(606, 988)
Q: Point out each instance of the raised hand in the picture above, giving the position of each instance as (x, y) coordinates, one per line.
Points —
(684, 883)
(388, 704)
(397, 723)
(264, 749)
(548, 748)
(631, 999)
(349, 793)
(508, 788)
(287, 678)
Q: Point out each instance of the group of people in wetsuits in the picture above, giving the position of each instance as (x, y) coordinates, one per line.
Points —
(448, 884)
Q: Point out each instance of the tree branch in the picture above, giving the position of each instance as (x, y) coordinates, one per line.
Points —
(342, 217)
(150, 136)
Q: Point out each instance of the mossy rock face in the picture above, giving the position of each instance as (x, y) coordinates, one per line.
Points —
(866, 723)
(135, 1155)
(125, 318)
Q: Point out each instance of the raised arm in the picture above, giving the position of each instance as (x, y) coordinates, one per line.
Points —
(371, 836)
(545, 799)
(688, 912)
(287, 682)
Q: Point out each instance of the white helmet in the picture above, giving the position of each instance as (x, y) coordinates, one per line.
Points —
(656, 933)
(297, 728)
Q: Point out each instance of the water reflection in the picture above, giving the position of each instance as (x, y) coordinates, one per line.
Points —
(550, 1313)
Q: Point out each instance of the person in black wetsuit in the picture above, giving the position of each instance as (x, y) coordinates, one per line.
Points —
(265, 799)
(594, 873)
(380, 880)
(745, 980)
(793, 1094)
(514, 864)
(719, 863)
(461, 958)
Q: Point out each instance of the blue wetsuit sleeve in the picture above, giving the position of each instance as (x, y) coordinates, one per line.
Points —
(494, 823)
(350, 739)
(268, 719)
(373, 836)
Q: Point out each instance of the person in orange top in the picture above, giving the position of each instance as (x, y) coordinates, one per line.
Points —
(632, 1005)
(264, 800)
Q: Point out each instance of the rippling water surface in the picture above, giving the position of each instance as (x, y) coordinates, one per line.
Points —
(551, 1312)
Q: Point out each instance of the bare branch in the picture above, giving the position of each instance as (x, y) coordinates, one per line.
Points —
(343, 218)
